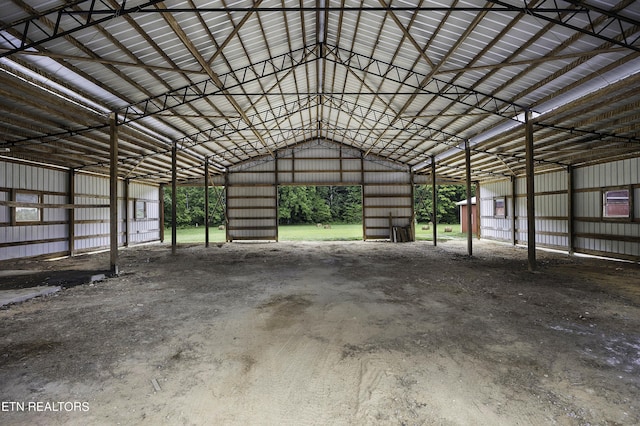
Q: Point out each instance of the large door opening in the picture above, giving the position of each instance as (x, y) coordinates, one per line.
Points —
(319, 213)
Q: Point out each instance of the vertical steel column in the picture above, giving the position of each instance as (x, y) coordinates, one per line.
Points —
(413, 205)
(72, 212)
(363, 197)
(206, 202)
(277, 187)
(531, 215)
(514, 204)
(226, 207)
(174, 198)
(478, 207)
(570, 211)
(434, 201)
(126, 212)
(161, 212)
(113, 193)
(467, 156)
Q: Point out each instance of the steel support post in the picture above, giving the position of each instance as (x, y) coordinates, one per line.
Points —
(469, 218)
(113, 193)
(174, 197)
(434, 201)
(206, 202)
(531, 215)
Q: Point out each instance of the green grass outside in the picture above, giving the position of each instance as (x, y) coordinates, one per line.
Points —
(427, 235)
(338, 232)
(195, 235)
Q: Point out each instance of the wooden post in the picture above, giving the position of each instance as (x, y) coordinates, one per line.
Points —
(72, 212)
(467, 156)
(531, 215)
(434, 201)
(514, 206)
(206, 202)
(570, 212)
(174, 198)
(126, 212)
(113, 193)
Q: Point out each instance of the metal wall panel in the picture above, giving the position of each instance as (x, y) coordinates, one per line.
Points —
(598, 235)
(147, 229)
(252, 212)
(92, 223)
(4, 210)
(252, 188)
(491, 227)
(593, 234)
(91, 229)
(50, 235)
(387, 198)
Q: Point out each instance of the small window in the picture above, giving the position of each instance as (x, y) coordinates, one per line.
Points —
(28, 213)
(499, 207)
(616, 203)
(141, 209)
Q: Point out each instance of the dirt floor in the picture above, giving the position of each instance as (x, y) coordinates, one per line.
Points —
(353, 333)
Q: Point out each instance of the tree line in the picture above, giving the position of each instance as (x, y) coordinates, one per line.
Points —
(311, 204)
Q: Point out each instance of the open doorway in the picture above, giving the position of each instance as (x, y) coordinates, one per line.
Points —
(317, 213)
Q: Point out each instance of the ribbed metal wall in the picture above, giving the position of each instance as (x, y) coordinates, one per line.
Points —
(92, 223)
(50, 236)
(252, 202)
(491, 226)
(141, 230)
(252, 188)
(91, 229)
(593, 234)
(387, 198)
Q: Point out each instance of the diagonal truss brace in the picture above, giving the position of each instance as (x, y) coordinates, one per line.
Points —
(230, 80)
(581, 18)
(33, 30)
(435, 86)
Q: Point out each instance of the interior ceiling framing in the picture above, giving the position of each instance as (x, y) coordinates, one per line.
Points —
(228, 82)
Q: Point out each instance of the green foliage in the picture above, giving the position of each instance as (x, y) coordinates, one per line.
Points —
(319, 204)
(310, 204)
(190, 206)
(447, 197)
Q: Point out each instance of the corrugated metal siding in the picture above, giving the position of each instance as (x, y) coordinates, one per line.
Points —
(490, 226)
(252, 188)
(4, 210)
(252, 201)
(252, 211)
(551, 207)
(593, 234)
(50, 236)
(387, 198)
(319, 163)
(91, 224)
(147, 229)
(601, 236)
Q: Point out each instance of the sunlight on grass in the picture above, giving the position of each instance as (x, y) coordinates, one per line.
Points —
(315, 233)
(427, 234)
(337, 232)
(195, 235)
